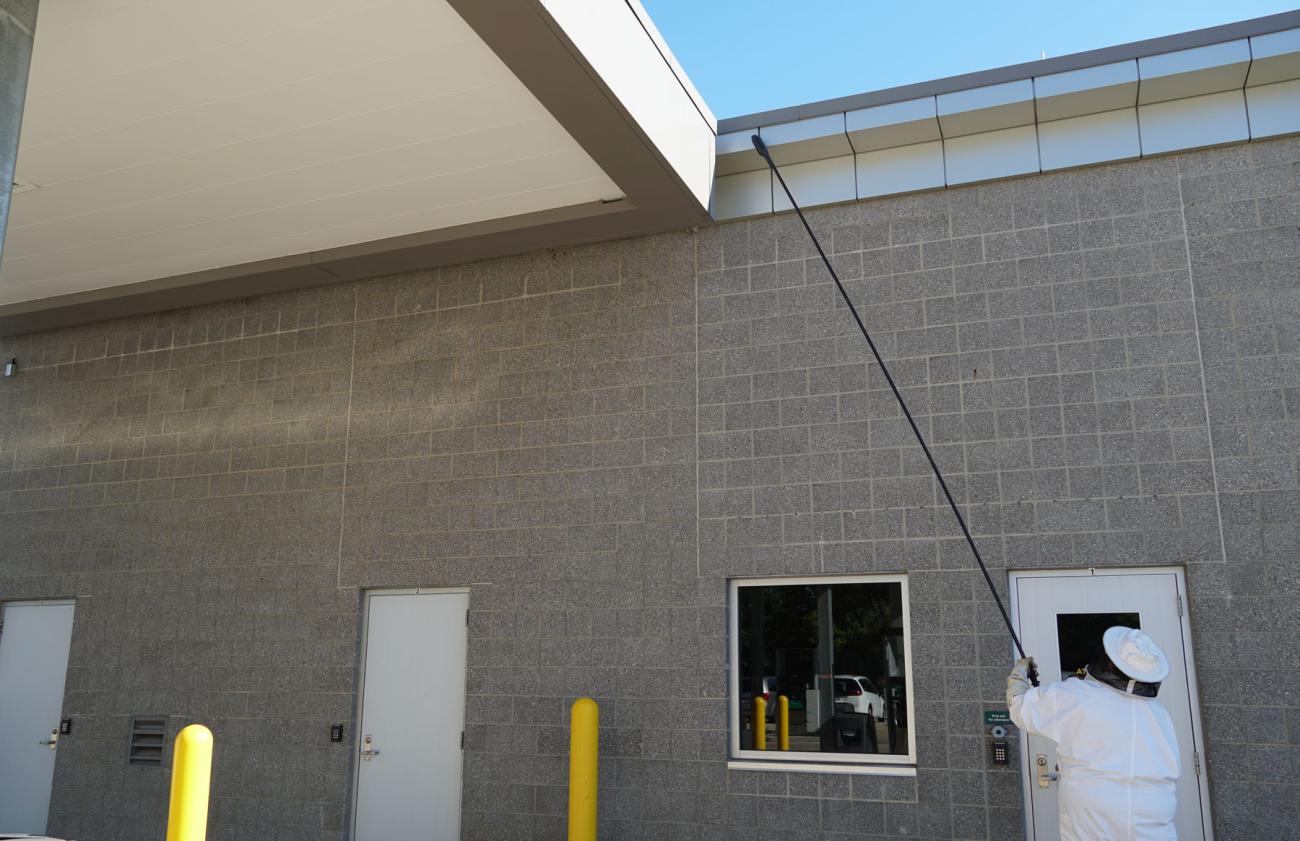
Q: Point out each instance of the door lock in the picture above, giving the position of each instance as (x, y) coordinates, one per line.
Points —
(53, 741)
(1045, 777)
(368, 750)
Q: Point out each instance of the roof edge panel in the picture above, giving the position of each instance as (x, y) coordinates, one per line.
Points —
(588, 63)
(1016, 72)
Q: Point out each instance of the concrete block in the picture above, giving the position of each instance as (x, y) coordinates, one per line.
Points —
(1089, 90)
(1193, 123)
(903, 169)
(1200, 70)
(986, 109)
(735, 153)
(896, 124)
(1089, 139)
(817, 182)
(1275, 57)
(742, 194)
(993, 154)
(1274, 109)
(807, 140)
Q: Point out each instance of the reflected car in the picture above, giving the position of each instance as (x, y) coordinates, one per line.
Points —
(860, 693)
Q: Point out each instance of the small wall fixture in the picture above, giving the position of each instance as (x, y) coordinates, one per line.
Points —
(11, 367)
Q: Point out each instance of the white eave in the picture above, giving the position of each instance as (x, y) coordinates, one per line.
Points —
(1211, 87)
(195, 151)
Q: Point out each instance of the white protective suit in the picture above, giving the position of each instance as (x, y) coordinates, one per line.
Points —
(1117, 753)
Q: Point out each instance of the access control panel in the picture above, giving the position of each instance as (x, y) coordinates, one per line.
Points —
(1001, 750)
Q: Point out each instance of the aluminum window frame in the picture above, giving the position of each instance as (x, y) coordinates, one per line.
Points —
(872, 763)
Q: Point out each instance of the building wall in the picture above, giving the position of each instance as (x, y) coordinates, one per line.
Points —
(596, 440)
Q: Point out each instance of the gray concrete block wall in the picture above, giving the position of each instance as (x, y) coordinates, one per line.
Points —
(1044, 334)
(181, 475)
(528, 427)
(1243, 220)
(596, 440)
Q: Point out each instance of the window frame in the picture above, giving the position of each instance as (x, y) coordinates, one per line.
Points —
(809, 760)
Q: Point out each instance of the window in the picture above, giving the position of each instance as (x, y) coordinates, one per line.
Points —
(837, 650)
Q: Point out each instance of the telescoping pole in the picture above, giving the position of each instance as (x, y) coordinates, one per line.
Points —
(761, 148)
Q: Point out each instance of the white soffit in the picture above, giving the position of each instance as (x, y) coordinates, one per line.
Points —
(170, 137)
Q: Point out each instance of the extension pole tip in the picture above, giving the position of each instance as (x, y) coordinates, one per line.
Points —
(760, 146)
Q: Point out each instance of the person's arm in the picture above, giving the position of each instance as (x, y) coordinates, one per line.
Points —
(1033, 709)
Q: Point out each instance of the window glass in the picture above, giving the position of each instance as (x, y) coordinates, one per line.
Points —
(1078, 637)
(835, 650)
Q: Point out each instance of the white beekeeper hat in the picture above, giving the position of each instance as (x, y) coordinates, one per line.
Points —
(1135, 654)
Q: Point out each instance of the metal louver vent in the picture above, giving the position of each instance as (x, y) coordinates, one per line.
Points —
(147, 736)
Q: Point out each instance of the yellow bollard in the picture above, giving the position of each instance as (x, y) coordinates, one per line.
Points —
(760, 723)
(584, 719)
(783, 723)
(187, 817)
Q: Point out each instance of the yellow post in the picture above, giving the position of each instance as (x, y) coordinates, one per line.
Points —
(584, 719)
(783, 723)
(187, 817)
(760, 723)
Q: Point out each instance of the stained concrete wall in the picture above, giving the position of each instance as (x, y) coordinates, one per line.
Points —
(596, 440)
(17, 25)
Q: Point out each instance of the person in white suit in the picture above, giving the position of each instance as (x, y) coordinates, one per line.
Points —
(1116, 748)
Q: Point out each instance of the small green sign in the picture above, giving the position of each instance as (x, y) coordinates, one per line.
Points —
(992, 717)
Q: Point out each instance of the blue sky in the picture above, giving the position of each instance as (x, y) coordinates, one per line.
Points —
(752, 55)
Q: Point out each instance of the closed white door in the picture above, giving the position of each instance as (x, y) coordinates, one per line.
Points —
(34, 642)
(412, 715)
(1060, 618)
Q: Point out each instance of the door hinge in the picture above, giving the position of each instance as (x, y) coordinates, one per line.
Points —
(467, 618)
(1179, 597)
(1196, 761)
(462, 742)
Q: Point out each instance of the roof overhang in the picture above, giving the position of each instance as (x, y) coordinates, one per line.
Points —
(611, 141)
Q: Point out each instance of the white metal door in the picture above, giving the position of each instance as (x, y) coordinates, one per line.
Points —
(412, 716)
(34, 643)
(1059, 616)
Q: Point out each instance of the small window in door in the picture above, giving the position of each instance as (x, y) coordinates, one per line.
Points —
(1078, 637)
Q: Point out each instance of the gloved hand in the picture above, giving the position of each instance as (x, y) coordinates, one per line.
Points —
(1019, 681)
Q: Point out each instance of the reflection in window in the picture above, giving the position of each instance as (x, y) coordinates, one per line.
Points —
(836, 650)
(1078, 637)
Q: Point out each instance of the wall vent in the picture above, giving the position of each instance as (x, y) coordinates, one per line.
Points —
(148, 733)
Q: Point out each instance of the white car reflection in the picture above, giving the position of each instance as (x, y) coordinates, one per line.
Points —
(861, 694)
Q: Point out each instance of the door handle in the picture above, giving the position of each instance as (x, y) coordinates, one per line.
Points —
(1045, 777)
(368, 750)
(53, 741)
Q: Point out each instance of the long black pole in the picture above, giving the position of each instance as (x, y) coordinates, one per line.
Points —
(761, 147)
